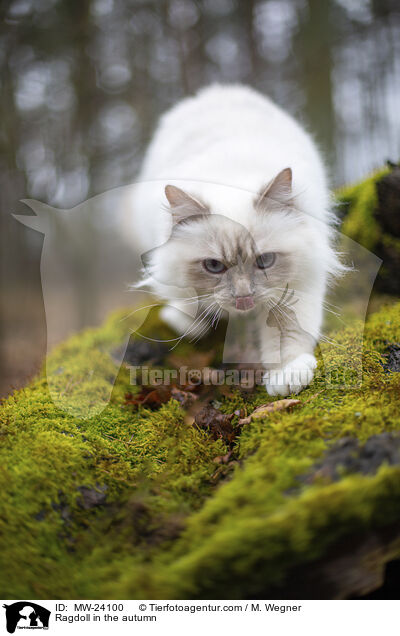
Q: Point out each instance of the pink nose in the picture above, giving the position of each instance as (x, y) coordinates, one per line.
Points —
(244, 302)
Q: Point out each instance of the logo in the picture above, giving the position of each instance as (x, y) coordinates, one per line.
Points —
(26, 615)
(286, 296)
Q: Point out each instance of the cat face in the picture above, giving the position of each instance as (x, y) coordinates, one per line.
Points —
(238, 271)
(223, 262)
(240, 268)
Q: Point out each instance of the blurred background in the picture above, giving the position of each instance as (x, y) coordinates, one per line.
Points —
(83, 83)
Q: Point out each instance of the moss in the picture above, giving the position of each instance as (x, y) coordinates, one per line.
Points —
(161, 519)
(370, 215)
(360, 202)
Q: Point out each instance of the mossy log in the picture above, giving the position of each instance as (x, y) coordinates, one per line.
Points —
(371, 216)
(138, 502)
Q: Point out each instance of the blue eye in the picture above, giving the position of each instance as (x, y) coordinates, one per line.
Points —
(213, 266)
(266, 260)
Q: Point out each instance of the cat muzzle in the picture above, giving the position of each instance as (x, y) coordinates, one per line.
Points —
(244, 302)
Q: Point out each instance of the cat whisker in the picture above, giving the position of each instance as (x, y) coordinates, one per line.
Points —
(216, 318)
(205, 327)
(326, 305)
(178, 298)
(219, 318)
(137, 333)
(329, 341)
(194, 324)
(279, 316)
(188, 301)
(131, 313)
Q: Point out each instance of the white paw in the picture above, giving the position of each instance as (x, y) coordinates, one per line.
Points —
(293, 377)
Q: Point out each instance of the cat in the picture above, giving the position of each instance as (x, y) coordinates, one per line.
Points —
(232, 212)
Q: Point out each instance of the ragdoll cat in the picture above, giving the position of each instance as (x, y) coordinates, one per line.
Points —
(232, 210)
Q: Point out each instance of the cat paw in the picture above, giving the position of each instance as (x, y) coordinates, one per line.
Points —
(293, 377)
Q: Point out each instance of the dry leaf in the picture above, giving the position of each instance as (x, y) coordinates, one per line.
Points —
(266, 409)
(223, 459)
(217, 423)
(150, 397)
(185, 398)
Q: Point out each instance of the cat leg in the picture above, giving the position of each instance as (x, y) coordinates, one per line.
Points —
(299, 332)
(270, 343)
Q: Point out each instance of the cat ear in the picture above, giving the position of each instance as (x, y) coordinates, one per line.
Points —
(279, 190)
(182, 204)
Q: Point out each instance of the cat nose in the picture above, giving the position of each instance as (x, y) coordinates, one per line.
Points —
(244, 302)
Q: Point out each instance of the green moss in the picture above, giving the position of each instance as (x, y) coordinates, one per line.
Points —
(360, 201)
(361, 223)
(174, 523)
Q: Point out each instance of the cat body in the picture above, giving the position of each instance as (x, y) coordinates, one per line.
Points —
(231, 212)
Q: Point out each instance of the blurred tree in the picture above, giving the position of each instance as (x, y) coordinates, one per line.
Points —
(313, 50)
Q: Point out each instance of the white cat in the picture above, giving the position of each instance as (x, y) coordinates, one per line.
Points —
(233, 196)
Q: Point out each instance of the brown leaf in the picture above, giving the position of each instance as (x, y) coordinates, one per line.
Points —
(312, 397)
(217, 423)
(149, 396)
(223, 459)
(188, 420)
(271, 407)
(266, 409)
(185, 398)
(244, 420)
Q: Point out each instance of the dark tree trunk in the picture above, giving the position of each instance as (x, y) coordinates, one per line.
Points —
(387, 214)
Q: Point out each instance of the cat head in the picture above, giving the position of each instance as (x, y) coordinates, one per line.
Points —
(238, 265)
